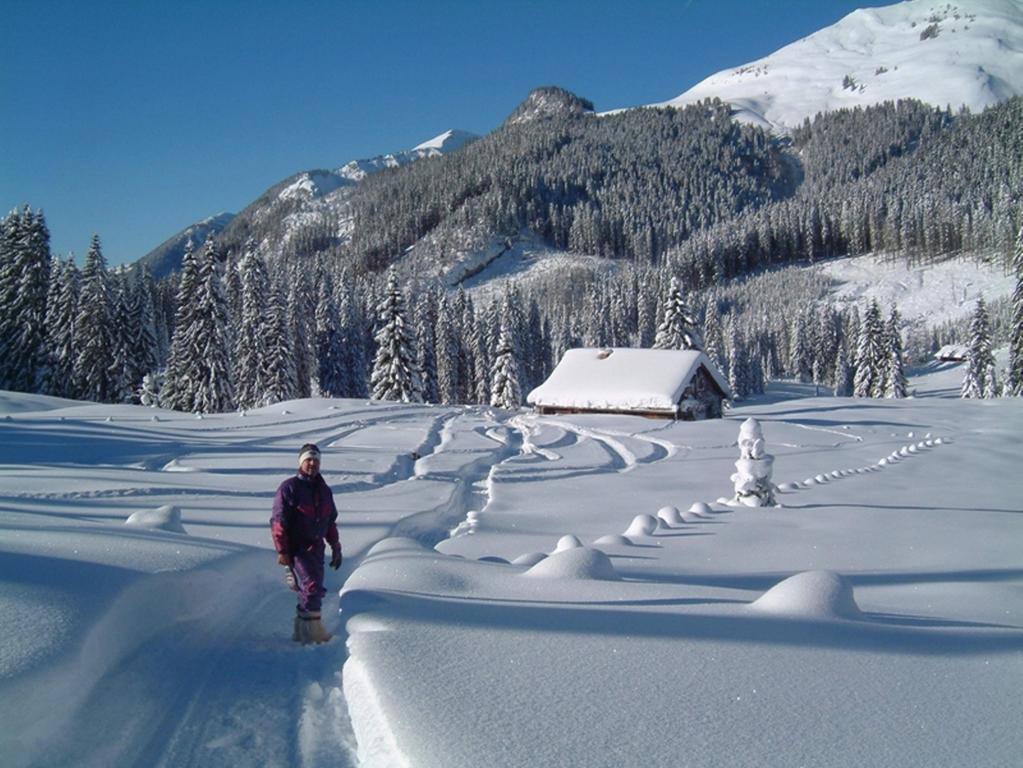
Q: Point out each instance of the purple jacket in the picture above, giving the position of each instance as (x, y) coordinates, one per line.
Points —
(304, 515)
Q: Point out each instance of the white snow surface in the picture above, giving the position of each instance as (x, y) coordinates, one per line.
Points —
(958, 53)
(875, 618)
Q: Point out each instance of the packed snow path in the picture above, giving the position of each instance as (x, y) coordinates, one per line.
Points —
(195, 666)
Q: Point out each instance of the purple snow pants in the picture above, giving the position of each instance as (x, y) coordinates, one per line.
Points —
(308, 567)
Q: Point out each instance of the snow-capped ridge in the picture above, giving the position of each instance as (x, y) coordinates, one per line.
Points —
(968, 54)
(449, 141)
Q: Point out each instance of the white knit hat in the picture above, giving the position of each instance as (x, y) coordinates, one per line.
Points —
(308, 451)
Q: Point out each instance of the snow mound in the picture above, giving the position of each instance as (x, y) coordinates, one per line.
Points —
(643, 525)
(529, 559)
(812, 595)
(578, 563)
(613, 540)
(568, 542)
(165, 518)
(701, 508)
(394, 544)
(670, 516)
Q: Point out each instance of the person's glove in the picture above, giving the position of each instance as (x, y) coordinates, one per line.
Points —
(335, 558)
(290, 579)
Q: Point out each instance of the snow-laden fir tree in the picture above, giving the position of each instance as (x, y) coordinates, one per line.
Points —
(120, 368)
(330, 375)
(895, 373)
(979, 379)
(143, 347)
(713, 336)
(505, 391)
(678, 328)
(280, 382)
(1015, 382)
(353, 344)
(425, 343)
(394, 375)
(176, 391)
(213, 388)
(871, 357)
(61, 314)
(251, 343)
(302, 320)
(482, 345)
(843, 374)
(94, 335)
(448, 352)
(737, 358)
(800, 358)
(24, 287)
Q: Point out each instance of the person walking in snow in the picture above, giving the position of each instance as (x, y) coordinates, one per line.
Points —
(304, 515)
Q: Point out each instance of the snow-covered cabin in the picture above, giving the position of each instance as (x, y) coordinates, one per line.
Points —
(665, 383)
(952, 353)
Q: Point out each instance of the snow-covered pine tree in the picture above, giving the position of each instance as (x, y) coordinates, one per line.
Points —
(505, 391)
(468, 344)
(979, 379)
(280, 382)
(484, 342)
(737, 360)
(447, 352)
(425, 342)
(120, 365)
(301, 318)
(868, 380)
(144, 350)
(330, 376)
(213, 385)
(800, 350)
(394, 375)
(61, 314)
(895, 374)
(94, 334)
(353, 344)
(1015, 382)
(678, 329)
(24, 288)
(713, 335)
(842, 375)
(250, 354)
(176, 391)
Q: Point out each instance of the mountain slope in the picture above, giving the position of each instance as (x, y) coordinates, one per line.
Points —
(309, 212)
(165, 259)
(966, 53)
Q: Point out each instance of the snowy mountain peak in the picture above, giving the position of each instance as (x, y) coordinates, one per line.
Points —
(448, 141)
(548, 102)
(965, 53)
(314, 184)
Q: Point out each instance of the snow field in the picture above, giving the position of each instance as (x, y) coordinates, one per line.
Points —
(590, 589)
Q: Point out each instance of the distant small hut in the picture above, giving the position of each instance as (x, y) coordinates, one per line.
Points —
(952, 353)
(660, 383)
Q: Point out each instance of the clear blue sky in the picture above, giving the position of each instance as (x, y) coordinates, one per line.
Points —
(134, 119)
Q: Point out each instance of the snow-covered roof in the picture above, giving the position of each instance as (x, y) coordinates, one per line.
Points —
(621, 379)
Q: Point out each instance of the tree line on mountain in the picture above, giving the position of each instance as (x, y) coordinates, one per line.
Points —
(690, 186)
